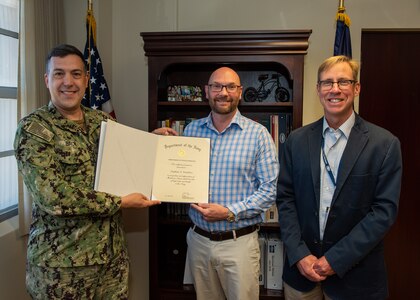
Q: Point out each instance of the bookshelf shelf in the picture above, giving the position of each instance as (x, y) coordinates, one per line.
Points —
(242, 104)
(187, 292)
(188, 59)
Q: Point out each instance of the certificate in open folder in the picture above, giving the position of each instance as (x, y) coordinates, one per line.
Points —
(165, 168)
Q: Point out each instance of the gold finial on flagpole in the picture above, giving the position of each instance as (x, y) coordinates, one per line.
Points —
(89, 4)
(341, 14)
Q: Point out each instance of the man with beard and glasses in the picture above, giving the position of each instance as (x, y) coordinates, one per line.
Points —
(223, 252)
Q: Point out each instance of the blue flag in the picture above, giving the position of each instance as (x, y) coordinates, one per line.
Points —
(97, 94)
(342, 43)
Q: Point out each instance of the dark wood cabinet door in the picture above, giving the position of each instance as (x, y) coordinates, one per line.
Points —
(390, 97)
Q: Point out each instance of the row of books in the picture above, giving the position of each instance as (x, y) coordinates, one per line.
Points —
(279, 125)
(271, 261)
(177, 125)
(177, 209)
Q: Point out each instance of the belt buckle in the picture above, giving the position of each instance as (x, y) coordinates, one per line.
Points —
(216, 236)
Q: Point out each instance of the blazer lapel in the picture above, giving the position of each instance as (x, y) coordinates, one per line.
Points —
(357, 141)
(314, 142)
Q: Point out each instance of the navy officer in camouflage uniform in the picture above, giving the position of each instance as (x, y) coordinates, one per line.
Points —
(76, 247)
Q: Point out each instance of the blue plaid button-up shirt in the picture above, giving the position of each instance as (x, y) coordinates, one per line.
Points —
(243, 170)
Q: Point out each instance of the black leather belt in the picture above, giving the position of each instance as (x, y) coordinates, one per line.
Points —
(225, 235)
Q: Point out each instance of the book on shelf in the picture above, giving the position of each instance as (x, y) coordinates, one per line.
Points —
(274, 130)
(279, 126)
(283, 130)
(177, 125)
(265, 122)
(271, 215)
(262, 241)
(271, 261)
(189, 120)
(274, 260)
(177, 209)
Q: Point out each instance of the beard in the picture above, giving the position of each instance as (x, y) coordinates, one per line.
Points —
(223, 104)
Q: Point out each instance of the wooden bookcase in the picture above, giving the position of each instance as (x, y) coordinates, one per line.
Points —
(188, 58)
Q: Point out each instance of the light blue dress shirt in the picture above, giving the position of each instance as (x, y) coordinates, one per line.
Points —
(334, 145)
(243, 170)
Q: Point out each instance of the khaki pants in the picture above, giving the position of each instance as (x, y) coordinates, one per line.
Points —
(224, 270)
(315, 294)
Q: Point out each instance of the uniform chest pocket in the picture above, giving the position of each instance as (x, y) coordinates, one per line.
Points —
(75, 161)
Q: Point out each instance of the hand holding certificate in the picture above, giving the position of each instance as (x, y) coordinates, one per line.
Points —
(165, 168)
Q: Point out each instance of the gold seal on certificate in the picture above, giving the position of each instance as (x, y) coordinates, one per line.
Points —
(181, 153)
(165, 168)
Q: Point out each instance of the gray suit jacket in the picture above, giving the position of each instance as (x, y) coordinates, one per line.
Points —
(364, 206)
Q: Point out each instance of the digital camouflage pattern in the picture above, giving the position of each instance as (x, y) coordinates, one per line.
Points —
(105, 282)
(72, 225)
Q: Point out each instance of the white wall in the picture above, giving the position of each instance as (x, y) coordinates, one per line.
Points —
(120, 23)
(12, 261)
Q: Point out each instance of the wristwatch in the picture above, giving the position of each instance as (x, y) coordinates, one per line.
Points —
(231, 216)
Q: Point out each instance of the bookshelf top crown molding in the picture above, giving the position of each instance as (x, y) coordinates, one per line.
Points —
(215, 43)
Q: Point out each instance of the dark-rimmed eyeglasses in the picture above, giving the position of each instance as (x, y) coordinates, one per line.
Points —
(327, 85)
(230, 88)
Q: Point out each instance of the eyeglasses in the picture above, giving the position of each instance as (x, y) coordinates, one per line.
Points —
(230, 88)
(327, 85)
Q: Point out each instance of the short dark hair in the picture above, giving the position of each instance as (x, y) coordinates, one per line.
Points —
(62, 51)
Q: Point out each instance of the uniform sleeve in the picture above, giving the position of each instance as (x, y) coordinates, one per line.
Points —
(54, 189)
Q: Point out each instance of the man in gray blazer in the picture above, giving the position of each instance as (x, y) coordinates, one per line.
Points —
(337, 196)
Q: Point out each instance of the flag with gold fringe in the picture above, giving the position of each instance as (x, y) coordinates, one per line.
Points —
(97, 94)
(342, 43)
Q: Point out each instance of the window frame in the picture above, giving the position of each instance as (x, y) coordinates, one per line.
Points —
(9, 92)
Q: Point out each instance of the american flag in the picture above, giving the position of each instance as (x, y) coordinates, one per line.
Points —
(342, 42)
(97, 94)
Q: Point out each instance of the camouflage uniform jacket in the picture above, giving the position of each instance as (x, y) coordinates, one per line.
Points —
(72, 225)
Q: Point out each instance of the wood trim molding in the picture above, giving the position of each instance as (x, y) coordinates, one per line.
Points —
(217, 43)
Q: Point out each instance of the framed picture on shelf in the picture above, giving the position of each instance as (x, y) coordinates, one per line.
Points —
(184, 93)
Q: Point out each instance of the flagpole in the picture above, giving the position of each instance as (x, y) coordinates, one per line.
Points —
(97, 95)
(342, 42)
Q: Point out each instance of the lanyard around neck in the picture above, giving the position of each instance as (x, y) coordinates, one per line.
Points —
(327, 164)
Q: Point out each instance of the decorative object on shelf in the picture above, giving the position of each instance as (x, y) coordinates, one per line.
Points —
(184, 93)
(267, 85)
